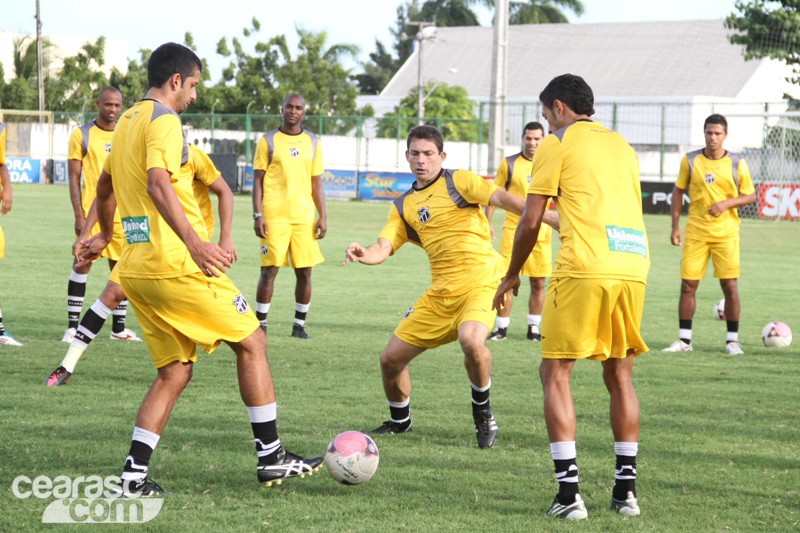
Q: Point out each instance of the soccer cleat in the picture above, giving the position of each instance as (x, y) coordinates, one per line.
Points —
(263, 326)
(288, 465)
(626, 507)
(299, 332)
(69, 335)
(678, 346)
(390, 427)
(5, 338)
(139, 488)
(485, 428)
(59, 376)
(125, 335)
(733, 348)
(533, 333)
(573, 511)
(498, 335)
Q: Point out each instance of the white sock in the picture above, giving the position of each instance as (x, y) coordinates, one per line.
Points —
(561, 451)
(262, 308)
(733, 336)
(502, 322)
(685, 334)
(78, 278)
(263, 413)
(628, 449)
(534, 320)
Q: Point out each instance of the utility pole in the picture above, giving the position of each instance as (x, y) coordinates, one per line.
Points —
(39, 69)
(497, 102)
(420, 38)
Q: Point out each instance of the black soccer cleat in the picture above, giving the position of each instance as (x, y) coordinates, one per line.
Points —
(533, 333)
(500, 334)
(59, 376)
(485, 428)
(299, 332)
(390, 427)
(288, 465)
(137, 488)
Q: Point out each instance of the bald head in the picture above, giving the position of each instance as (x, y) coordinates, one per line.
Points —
(109, 105)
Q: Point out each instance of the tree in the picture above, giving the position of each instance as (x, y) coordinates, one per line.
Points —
(132, 84)
(542, 11)
(78, 82)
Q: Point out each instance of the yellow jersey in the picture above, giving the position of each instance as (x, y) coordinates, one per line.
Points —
(203, 173)
(445, 219)
(2, 144)
(149, 135)
(514, 175)
(289, 162)
(90, 145)
(593, 174)
(710, 181)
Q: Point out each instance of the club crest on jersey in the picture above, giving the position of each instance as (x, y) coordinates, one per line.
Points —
(108, 148)
(423, 214)
(709, 178)
(410, 310)
(264, 250)
(294, 152)
(241, 304)
(529, 178)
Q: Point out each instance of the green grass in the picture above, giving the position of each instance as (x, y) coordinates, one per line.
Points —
(719, 435)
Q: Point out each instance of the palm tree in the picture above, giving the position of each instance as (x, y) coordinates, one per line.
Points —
(25, 57)
(538, 11)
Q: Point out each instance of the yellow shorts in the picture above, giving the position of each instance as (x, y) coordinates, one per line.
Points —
(2, 244)
(724, 255)
(538, 265)
(435, 320)
(592, 319)
(295, 240)
(178, 314)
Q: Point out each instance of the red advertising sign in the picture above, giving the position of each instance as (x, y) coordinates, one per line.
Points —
(779, 200)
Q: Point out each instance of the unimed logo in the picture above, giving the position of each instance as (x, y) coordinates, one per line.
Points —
(86, 500)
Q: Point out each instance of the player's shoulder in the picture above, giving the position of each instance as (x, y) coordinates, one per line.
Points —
(460, 174)
(311, 135)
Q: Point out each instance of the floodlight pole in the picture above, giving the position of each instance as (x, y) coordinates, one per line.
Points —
(497, 108)
(419, 37)
(39, 68)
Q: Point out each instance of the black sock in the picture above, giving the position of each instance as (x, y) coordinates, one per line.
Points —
(733, 327)
(136, 463)
(2, 328)
(76, 291)
(480, 399)
(262, 317)
(624, 477)
(685, 324)
(268, 445)
(92, 322)
(400, 413)
(567, 476)
(118, 323)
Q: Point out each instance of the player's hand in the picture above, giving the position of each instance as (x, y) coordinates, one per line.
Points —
(211, 259)
(491, 231)
(226, 244)
(353, 253)
(321, 228)
(717, 209)
(260, 226)
(88, 249)
(675, 238)
(5, 200)
(506, 284)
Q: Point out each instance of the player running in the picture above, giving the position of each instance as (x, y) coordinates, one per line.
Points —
(5, 207)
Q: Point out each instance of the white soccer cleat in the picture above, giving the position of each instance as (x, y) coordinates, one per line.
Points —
(125, 335)
(69, 335)
(626, 507)
(5, 338)
(733, 348)
(574, 511)
(678, 346)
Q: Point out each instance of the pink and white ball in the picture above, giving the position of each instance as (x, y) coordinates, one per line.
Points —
(719, 310)
(351, 458)
(776, 335)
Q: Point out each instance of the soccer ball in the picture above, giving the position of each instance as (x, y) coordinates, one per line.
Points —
(776, 335)
(719, 310)
(351, 458)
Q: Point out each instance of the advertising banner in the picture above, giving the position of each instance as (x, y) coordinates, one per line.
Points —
(657, 197)
(23, 169)
(383, 185)
(60, 176)
(248, 178)
(777, 200)
(340, 184)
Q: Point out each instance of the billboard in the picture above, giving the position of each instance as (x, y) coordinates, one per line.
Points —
(657, 197)
(777, 200)
(340, 184)
(383, 185)
(23, 169)
(60, 175)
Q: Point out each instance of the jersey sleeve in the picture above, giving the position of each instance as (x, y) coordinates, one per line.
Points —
(546, 168)
(473, 188)
(165, 144)
(395, 230)
(3, 147)
(502, 176)
(683, 174)
(317, 168)
(205, 170)
(74, 150)
(261, 161)
(745, 181)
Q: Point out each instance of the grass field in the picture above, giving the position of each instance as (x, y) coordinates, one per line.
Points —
(720, 435)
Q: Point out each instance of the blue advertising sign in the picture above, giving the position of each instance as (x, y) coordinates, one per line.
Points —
(339, 183)
(248, 178)
(23, 169)
(60, 176)
(383, 185)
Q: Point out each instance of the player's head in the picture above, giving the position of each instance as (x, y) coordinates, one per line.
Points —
(715, 129)
(532, 135)
(109, 102)
(293, 110)
(425, 152)
(175, 69)
(563, 98)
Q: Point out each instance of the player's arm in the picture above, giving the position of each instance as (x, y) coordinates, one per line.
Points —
(731, 203)
(318, 195)
(489, 213)
(373, 254)
(105, 204)
(208, 256)
(5, 194)
(86, 231)
(505, 200)
(74, 167)
(225, 208)
(260, 224)
(675, 211)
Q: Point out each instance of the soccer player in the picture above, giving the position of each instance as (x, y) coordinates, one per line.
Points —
(442, 214)
(287, 186)
(718, 183)
(5, 207)
(514, 175)
(594, 301)
(174, 277)
(88, 147)
(205, 178)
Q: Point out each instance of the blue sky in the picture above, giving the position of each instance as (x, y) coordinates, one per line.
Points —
(358, 22)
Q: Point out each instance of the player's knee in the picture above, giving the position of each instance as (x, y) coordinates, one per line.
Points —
(112, 295)
(473, 348)
(387, 360)
(729, 287)
(688, 286)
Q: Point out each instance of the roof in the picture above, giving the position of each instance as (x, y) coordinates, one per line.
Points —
(632, 59)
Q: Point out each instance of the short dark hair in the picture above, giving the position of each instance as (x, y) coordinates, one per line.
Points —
(428, 133)
(716, 118)
(169, 59)
(108, 88)
(572, 90)
(532, 126)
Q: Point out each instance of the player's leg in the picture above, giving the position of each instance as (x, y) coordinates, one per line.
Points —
(76, 291)
(302, 301)
(725, 256)
(396, 379)
(305, 253)
(478, 362)
(274, 254)
(694, 261)
(264, 290)
(535, 306)
(502, 321)
(119, 314)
